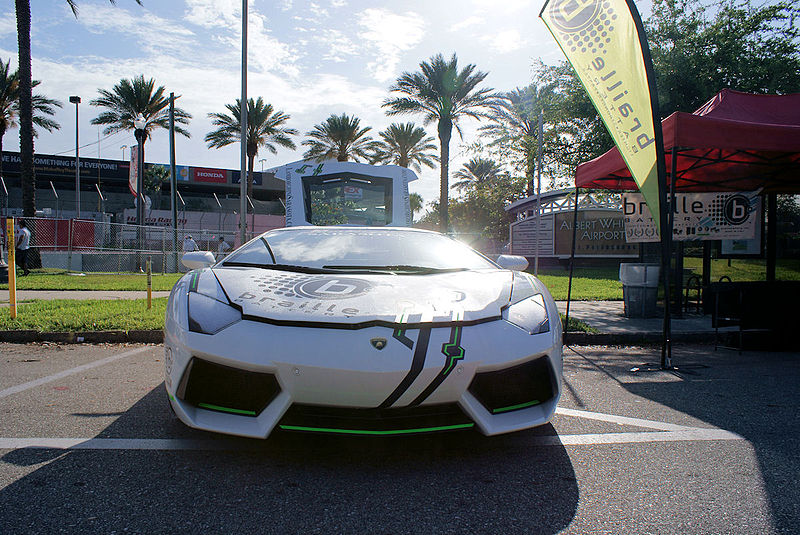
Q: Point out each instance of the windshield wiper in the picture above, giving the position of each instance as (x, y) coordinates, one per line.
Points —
(397, 268)
(280, 267)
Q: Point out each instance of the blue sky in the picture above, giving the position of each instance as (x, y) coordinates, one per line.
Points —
(309, 59)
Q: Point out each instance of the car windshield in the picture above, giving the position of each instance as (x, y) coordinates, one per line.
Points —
(358, 250)
(353, 200)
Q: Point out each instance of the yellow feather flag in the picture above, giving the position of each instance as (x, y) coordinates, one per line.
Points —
(603, 42)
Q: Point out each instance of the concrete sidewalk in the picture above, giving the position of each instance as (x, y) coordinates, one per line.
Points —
(30, 295)
(609, 317)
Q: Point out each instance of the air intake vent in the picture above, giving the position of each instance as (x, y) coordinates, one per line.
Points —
(520, 387)
(221, 388)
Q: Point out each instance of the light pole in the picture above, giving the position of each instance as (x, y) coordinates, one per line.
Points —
(123, 147)
(262, 160)
(77, 100)
(139, 125)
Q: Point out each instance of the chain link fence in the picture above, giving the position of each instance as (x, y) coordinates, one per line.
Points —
(98, 246)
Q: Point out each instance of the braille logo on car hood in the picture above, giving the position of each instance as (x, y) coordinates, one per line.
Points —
(340, 298)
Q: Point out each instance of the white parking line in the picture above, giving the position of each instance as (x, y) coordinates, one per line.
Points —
(688, 434)
(50, 378)
(624, 420)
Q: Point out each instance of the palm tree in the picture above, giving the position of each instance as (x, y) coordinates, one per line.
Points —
(515, 125)
(129, 98)
(26, 102)
(264, 129)
(9, 106)
(416, 202)
(406, 145)
(476, 173)
(340, 137)
(442, 93)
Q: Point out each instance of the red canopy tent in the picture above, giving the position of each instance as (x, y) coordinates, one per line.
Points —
(734, 142)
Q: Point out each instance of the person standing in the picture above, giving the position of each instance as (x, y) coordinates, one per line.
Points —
(222, 248)
(23, 244)
(189, 244)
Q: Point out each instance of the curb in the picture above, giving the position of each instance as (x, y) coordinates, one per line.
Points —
(88, 337)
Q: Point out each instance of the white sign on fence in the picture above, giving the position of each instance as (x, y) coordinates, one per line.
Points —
(698, 216)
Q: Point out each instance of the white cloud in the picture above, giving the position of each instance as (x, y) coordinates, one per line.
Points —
(138, 25)
(8, 24)
(505, 41)
(317, 10)
(390, 34)
(223, 19)
(466, 23)
(338, 3)
(336, 45)
(506, 6)
(212, 13)
(266, 52)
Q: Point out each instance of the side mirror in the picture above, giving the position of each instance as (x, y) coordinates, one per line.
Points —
(198, 259)
(512, 262)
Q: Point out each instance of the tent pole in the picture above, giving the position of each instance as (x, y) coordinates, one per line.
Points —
(772, 235)
(676, 297)
(666, 218)
(571, 263)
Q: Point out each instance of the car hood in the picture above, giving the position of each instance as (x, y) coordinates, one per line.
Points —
(283, 296)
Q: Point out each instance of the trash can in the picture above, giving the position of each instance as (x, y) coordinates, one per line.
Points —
(639, 289)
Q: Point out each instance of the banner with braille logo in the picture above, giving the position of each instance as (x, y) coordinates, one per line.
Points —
(601, 41)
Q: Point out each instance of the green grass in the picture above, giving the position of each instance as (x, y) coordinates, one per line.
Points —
(69, 315)
(576, 325)
(42, 280)
(741, 269)
(588, 284)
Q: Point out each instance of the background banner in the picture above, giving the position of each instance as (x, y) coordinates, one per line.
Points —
(698, 216)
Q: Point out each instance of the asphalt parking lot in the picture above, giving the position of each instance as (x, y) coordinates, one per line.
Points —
(88, 444)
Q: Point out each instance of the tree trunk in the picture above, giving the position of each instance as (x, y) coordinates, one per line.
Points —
(530, 173)
(28, 177)
(445, 131)
(2, 134)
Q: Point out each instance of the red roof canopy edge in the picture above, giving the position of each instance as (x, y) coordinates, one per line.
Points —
(734, 142)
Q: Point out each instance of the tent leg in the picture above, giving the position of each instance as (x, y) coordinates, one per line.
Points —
(667, 221)
(571, 264)
(772, 235)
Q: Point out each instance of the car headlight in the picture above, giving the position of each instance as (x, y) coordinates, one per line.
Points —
(209, 310)
(527, 309)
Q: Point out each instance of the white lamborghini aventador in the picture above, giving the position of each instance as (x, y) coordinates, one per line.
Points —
(362, 331)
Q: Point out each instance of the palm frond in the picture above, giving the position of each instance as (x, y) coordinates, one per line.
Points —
(131, 97)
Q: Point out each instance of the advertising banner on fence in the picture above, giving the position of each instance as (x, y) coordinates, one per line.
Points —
(601, 41)
(698, 216)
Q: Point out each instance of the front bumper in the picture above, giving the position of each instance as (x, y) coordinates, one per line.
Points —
(342, 369)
